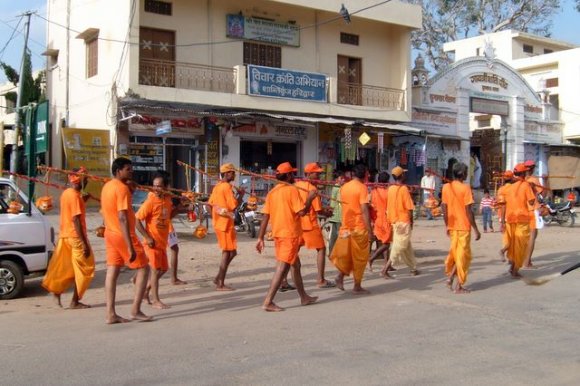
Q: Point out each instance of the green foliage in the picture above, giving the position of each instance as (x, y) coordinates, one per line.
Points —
(10, 72)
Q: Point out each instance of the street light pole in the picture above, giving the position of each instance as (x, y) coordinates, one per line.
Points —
(17, 123)
(505, 141)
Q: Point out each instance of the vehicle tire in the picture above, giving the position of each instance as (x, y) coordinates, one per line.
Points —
(566, 219)
(326, 228)
(572, 219)
(251, 229)
(11, 280)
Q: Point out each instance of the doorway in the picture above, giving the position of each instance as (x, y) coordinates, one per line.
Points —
(349, 72)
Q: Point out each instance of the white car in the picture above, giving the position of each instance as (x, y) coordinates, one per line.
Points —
(26, 240)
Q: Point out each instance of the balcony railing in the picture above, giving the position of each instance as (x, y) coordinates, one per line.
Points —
(163, 73)
(371, 96)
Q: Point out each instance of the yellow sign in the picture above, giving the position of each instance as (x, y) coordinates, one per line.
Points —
(90, 148)
(364, 138)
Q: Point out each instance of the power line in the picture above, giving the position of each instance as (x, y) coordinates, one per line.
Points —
(14, 30)
(198, 44)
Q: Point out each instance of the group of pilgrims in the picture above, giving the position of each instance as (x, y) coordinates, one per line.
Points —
(291, 214)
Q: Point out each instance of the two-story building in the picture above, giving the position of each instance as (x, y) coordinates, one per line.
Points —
(254, 83)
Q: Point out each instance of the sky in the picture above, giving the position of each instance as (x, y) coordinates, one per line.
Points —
(565, 29)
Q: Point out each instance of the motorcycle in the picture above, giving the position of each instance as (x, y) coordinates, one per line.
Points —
(245, 220)
(563, 214)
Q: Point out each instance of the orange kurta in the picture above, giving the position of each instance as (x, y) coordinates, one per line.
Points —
(456, 196)
(68, 264)
(537, 189)
(311, 232)
(116, 197)
(351, 250)
(282, 205)
(518, 213)
(381, 227)
(222, 199)
(399, 203)
(156, 212)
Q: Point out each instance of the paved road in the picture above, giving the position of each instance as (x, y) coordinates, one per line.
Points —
(411, 330)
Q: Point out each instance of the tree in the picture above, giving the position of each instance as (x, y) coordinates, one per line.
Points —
(32, 90)
(449, 20)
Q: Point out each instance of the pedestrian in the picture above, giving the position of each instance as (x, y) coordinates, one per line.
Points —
(121, 243)
(156, 212)
(284, 207)
(400, 215)
(428, 188)
(457, 203)
(223, 203)
(336, 217)
(520, 201)
(72, 261)
(538, 190)
(173, 243)
(381, 227)
(507, 178)
(486, 210)
(311, 232)
(351, 251)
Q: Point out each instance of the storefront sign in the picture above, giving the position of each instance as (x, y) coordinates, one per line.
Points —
(537, 132)
(242, 27)
(533, 112)
(364, 138)
(38, 118)
(265, 130)
(186, 126)
(280, 83)
(442, 98)
(147, 157)
(434, 123)
(491, 79)
(489, 106)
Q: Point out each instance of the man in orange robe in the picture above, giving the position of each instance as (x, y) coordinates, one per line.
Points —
(501, 194)
(381, 227)
(520, 200)
(400, 215)
(457, 202)
(156, 212)
(537, 189)
(283, 208)
(121, 243)
(72, 261)
(351, 251)
(223, 203)
(311, 232)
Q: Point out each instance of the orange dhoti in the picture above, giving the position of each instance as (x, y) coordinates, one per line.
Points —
(313, 239)
(459, 255)
(227, 240)
(518, 235)
(287, 249)
(351, 253)
(68, 265)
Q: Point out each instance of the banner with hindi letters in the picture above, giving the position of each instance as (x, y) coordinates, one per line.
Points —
(281, 83)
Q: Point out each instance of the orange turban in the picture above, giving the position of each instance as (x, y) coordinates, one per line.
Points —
(75, 178)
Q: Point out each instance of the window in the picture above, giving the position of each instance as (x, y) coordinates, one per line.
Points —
(552, 82)
(548, 51)
(528, 49)
(477, 51)
(92, 47)
(7, 195)
(262, 55)
(159, 7)
(349, 38)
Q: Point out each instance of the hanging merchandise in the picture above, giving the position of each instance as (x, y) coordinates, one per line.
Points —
(347, 138)
(380, 142)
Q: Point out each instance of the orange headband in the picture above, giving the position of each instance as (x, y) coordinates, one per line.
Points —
(76, 178)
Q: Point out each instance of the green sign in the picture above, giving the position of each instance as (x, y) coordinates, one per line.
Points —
(39, 121)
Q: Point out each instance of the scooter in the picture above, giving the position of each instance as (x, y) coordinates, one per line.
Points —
(563, 215)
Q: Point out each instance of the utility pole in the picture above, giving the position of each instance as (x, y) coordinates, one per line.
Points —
(14, 155)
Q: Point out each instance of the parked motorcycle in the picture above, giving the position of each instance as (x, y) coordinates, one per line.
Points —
(563, 214)
(245, 220)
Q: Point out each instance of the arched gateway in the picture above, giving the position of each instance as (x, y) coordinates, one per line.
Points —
(482, 112)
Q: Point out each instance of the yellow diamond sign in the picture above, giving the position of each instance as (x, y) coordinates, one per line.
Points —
(364, 139)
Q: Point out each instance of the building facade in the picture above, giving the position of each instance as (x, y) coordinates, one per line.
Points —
(215, 81)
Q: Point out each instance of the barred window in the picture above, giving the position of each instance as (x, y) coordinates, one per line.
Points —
(92, 47)
(159, 7)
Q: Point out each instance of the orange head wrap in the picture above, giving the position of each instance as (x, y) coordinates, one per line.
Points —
(77, 178)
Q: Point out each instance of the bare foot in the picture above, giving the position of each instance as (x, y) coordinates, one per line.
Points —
(530, 266)
(272, 307)
(461, 290)
(141, 317)
(160, 305)
(116, 319)
(516, 275)
(224, 288)
(449, 284)
(385, 275)
(360, 291)
(134, 279)
(371, 265)
(501, 255)
(56, 298)
(339, 282)
(414, 272)
(146, 296)
(178, 282)
(215, 281)
(308, 300)
(78, 306)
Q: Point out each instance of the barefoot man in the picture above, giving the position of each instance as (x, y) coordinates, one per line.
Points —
(508, 176)
(72, 261)
(311, 232)
(351, 251)
(156, 213)
(537, 189)
(400, 214)
(457, 203)
(284, 207)
(223, 205)
(121, 243)
(520, 201)
(381, 227)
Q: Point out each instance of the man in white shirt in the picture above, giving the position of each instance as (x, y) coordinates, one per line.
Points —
(428, 187)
